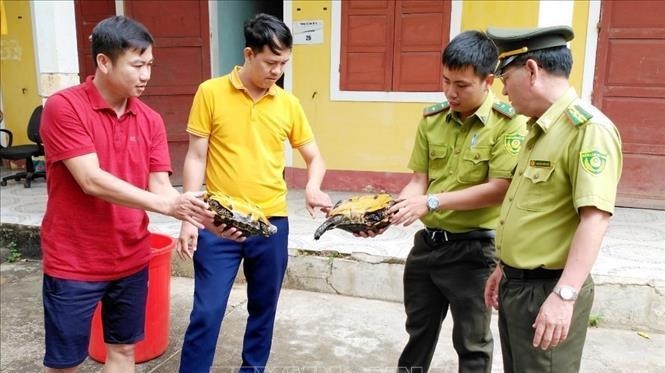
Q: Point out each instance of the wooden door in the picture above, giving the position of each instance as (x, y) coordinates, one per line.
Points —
(182, 62)
(88, 14)
(182, 58)
(629, 87)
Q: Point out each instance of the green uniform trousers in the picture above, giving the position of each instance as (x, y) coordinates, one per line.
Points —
(519, 304)
(439, 276)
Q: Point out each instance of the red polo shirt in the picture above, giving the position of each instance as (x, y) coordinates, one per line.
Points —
(84, 237)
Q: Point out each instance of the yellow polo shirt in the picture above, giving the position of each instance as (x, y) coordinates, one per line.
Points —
(246, 139)
(456, 155)
(571, 158)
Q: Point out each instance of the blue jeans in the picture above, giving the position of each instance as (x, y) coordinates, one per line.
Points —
(216, 264)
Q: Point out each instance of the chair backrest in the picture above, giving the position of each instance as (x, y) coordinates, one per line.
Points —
(33, 125)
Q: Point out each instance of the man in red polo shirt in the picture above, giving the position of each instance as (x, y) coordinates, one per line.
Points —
(107, 162)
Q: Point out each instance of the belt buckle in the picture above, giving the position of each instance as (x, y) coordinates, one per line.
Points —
(435, 236)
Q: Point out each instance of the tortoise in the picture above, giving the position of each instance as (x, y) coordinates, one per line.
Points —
(239, 214)
(358, 214)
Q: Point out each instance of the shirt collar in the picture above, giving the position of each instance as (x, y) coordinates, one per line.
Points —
(97, 101)
(547, 120)
(237, 83)
(482, 113)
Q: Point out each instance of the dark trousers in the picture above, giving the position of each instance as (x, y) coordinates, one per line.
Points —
(437, 277)
(519, 304)
(216, 263)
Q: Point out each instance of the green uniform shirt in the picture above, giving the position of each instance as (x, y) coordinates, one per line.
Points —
(571, 158)
(456, 155)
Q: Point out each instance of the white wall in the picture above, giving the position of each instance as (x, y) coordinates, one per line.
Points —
(55, 45)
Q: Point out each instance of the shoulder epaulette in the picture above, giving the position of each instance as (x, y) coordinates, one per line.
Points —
(504, 108)
(436, 108)
(577, 115)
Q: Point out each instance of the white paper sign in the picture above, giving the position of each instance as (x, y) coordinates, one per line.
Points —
(308, 32)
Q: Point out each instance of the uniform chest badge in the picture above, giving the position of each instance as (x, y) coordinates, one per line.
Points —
(593, 161)
(513, 143)
(474, 140)
(538, 163)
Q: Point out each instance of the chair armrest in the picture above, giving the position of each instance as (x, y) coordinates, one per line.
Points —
(10, 137)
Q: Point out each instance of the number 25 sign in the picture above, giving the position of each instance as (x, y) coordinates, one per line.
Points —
(308, 32)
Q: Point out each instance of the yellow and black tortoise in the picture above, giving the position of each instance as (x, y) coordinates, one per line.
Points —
(358, 214)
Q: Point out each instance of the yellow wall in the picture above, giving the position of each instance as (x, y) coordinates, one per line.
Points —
(363, 136)
(18, 73)
(478, 15)
(578, 45)
(378, 136)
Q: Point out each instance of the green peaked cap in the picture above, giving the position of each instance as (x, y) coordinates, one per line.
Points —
(513, 42)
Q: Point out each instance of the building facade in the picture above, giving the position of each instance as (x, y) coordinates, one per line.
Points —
(363, 70)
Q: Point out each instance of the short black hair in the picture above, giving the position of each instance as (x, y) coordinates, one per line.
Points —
(557, 61)
(471, 48)
(265, 29)
(113, 35)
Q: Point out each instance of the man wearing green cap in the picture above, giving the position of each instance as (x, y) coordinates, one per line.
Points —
(557, 207)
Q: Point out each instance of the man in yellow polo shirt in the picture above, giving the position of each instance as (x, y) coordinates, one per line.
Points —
(237, 127)
(557, 208)
(462, 160)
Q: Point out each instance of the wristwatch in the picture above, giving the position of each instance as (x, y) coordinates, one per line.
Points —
(566, 293)
(432, 202)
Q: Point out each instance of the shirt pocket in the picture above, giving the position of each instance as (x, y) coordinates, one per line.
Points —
(438, 157)
(538, 188)
(474, 165)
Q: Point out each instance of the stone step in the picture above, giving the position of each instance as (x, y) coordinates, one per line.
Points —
(619, 302)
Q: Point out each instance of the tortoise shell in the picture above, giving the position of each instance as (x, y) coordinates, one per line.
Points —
(358, 214)
(239, 214)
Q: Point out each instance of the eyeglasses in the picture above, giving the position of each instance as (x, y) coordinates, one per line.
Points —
(504, 75)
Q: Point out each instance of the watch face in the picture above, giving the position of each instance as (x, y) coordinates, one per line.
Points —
(567, 293)
(432, 202)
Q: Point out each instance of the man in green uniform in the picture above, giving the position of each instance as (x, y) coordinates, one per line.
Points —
(462, 160)
(557, 208)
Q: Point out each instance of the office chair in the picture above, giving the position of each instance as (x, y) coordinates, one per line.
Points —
(26, 152)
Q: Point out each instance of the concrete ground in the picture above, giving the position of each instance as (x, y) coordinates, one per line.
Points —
(315, 333)
(341, 308)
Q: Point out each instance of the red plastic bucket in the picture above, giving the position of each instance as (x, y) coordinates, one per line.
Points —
(157, 306)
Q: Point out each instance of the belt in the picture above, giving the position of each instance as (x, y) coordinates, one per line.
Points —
(438, 236)
(513, 273)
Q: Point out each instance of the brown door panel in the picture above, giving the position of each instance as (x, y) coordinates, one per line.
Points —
(629, 87)
(87, 14)
(182, 62)
(650, 191)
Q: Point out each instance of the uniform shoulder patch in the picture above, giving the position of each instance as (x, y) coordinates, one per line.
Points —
(593, 161)
(435, 109)
(504, 109)
(577, 115)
